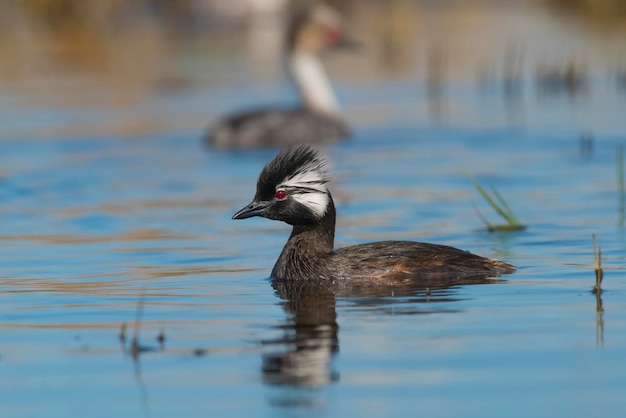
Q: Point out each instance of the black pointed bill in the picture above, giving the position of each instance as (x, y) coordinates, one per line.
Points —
(253, 209)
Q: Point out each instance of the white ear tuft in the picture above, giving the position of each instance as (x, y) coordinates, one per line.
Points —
(307, 178)
(308, 186)
(316, 202)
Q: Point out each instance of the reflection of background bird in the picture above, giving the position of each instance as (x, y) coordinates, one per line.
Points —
(292, 188)
(310, 31)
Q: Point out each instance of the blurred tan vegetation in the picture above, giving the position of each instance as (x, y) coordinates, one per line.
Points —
(601, 9)
(116, 53)
(111, 15)
(600, 15)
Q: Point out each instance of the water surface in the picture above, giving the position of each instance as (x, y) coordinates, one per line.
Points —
(115, 214)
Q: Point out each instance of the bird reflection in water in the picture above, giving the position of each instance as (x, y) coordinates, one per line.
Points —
(302, 356)
(310, 336)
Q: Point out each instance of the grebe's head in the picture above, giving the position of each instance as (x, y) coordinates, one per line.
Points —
(291, 188)
(316, 27)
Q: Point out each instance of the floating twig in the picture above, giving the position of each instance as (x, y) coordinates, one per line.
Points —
(135, 348)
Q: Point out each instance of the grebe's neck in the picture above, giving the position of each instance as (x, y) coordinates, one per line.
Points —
(306, 244)
(312, 83)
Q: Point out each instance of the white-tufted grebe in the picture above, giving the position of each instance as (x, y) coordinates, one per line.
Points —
(292, 188)
(317, 120)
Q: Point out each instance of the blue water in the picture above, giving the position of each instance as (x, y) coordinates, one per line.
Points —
(113, 227)
(96, 230)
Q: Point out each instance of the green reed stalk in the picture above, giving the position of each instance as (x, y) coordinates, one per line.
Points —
(500, 206)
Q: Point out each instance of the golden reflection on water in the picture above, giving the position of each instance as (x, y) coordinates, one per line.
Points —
(129, 207)
(130, 236)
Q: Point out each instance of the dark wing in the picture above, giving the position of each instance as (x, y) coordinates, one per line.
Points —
(393, 261)
(275, 127)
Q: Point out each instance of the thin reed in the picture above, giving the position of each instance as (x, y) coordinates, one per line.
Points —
(597, 256)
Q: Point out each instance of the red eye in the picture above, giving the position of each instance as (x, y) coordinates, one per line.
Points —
(333, 36)
(281, 194)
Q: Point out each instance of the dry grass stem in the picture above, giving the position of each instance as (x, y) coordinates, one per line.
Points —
(597, 255)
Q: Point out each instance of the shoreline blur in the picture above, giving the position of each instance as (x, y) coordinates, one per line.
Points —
(122, 55)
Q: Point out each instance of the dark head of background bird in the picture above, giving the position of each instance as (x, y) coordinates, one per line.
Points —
(315, 27)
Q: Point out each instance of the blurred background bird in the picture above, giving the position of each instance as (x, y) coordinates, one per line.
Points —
(317, 119)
